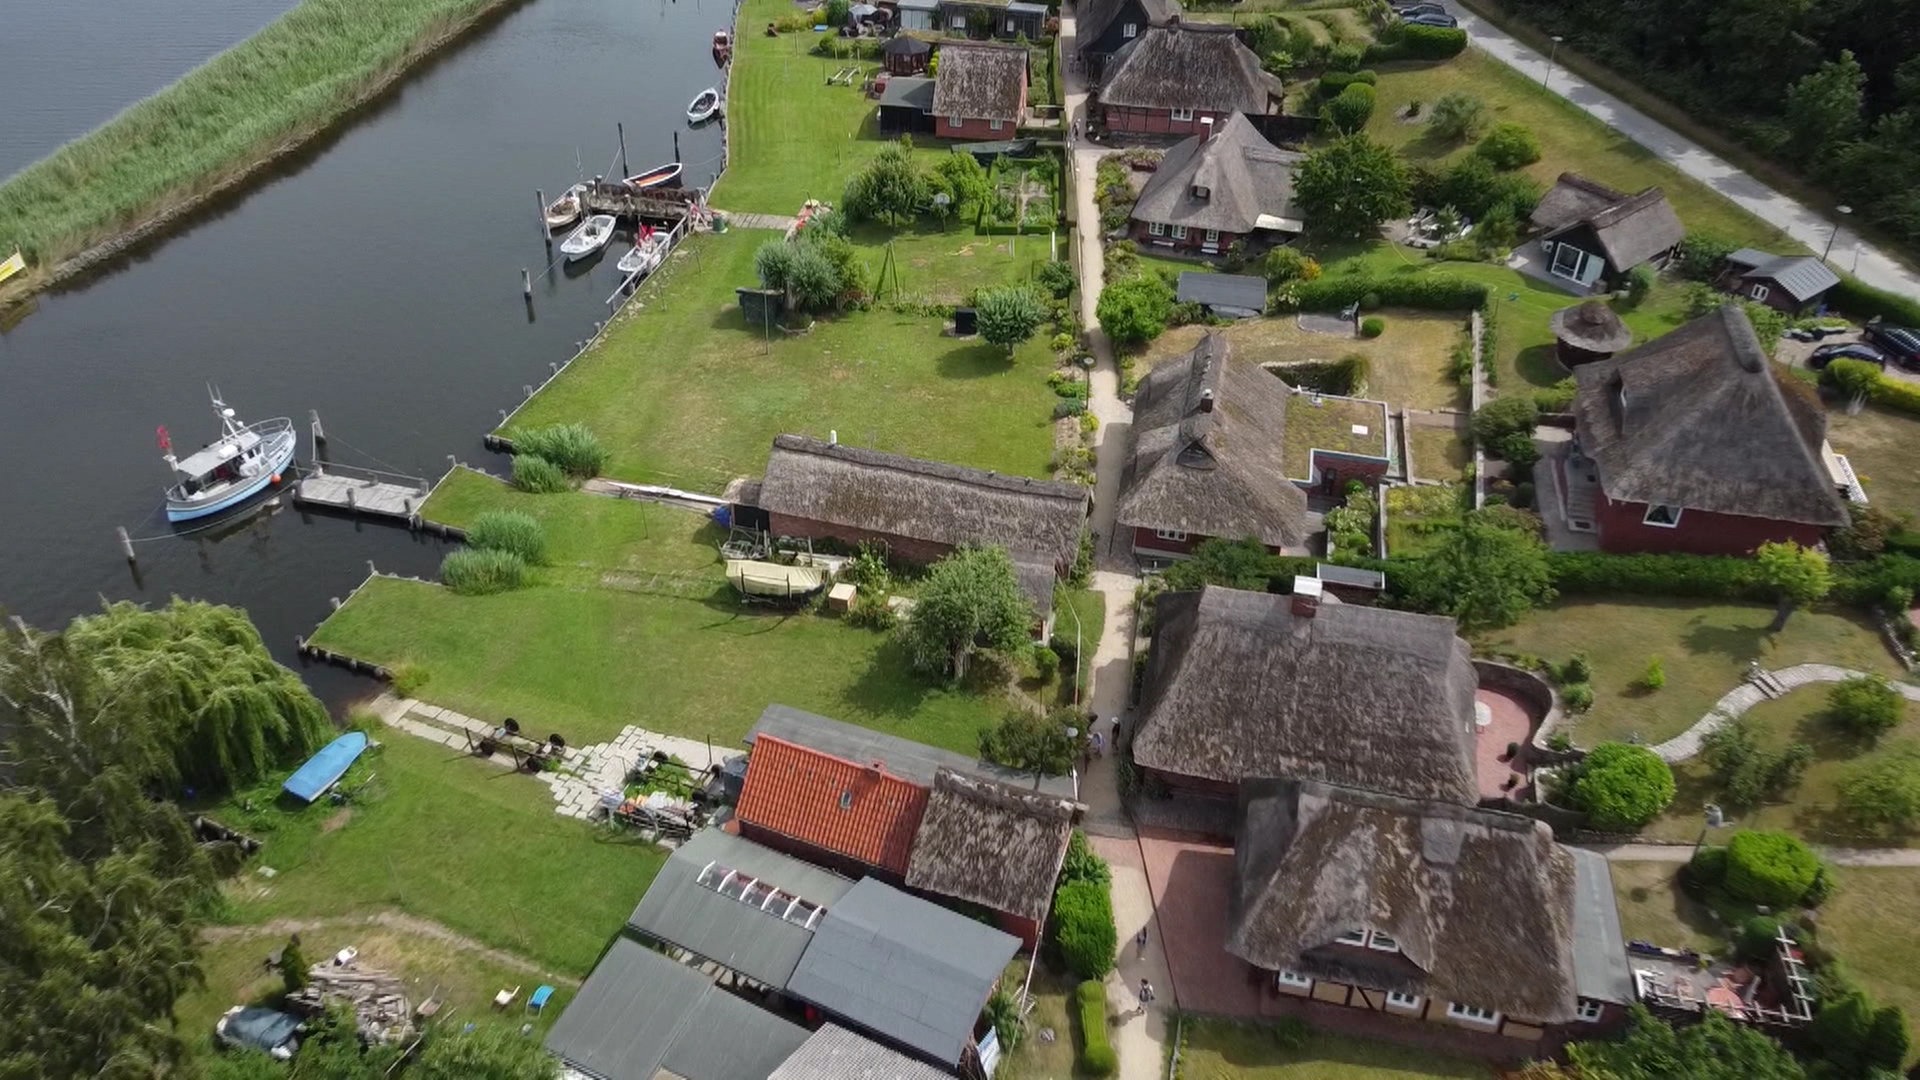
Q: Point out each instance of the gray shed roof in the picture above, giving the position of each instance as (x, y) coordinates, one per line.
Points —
(1222, 290)
(834, 1053)
(1600, 971)
(694, 904)
(1803, 276)
(1234, 181)
(641, 1012)
(904, 758)
(908, 92)
(904, 968)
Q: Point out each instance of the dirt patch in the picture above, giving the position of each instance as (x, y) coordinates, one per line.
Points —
(410, 924)
(337, 821)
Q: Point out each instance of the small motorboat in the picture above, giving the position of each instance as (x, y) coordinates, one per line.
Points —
(243, 462)
(704, 106)
(646, 254)
(591, 236)
(658, 177)
(722, 47)
(565, 210)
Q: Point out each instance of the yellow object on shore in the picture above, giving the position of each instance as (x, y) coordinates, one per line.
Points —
(12, 266)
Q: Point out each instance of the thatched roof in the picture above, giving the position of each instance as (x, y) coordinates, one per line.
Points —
(1802, 276)
(1630, 229)
(895, 495)
(1234, 181)
(980, 80)
(1218, 471)
(1239, 687)
(1094, 17)
(902, 45)
(1198, 66)
(1480, 903)
(990, 844)
(1698, 419)
(1591, 326)
(1572, 198)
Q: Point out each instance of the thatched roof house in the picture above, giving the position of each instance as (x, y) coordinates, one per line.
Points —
(1233, 181)
(1208, 455)
(1102, 27)
(1425, 898)
(991, 845)
(1603, 233)
(980, 80)
(1244, 685)
(1698, 420)
(1201, 67)
(1587, 332)
(1572, 198)
(922, 509)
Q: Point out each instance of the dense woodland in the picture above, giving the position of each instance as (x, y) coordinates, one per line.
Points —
(1830, 88)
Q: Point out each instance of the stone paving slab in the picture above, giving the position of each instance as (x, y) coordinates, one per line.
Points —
(1737, 701)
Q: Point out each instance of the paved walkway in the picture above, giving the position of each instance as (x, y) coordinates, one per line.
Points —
(1745, 696)
(1679, 853)
(758, 221)
(1871, 265)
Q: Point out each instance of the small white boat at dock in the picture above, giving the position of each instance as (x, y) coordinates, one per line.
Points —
(565, 210)
(243, 462)
(703, 106)
(592, 235)
(656, 177)
(645, 256)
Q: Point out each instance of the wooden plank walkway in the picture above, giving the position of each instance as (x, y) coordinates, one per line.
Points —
(330, 486)
(758, 221)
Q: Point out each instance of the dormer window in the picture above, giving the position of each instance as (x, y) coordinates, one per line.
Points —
(1130, 30)
(1352, 937)
(1368, 939)
(1200, 191)
(1382, 942)
(1663, 516)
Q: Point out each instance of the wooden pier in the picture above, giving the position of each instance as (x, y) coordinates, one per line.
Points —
(666, 205)
(362, 491)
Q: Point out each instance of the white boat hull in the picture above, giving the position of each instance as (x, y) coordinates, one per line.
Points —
(277, 457)
(703, 107)
(589, 238)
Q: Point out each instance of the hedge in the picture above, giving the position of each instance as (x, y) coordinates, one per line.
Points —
(1769, 868)
(1851, 377)
(1712, 577)
(1096, 1051)
(1335, 81)
(1863, 301)
(1083, 930)
(1432, 291)
(1420, 43)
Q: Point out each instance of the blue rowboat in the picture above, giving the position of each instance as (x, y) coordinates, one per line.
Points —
(324, 769)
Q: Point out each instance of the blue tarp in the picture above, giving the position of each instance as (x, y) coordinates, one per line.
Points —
(320, 772)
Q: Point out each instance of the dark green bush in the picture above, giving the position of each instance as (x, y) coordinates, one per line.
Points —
(1855, 1037)
(1097, 1057)
(1756, 940)
(1081, 864)
(536, 474)
(1771, 868)
(1350, 109)
(1055, 277)
(1420, 43)
(1504, 416)
(478, 571)
(1702, 255)
(510, 530)
(1622, 787)
(1372, 326)
(1333, 82)
(573, 447)
(1509, 146)
(1706, 870)
(1863, 301)
(1865, 707)
(1557, 398)
(1431, 291)
(1083, 930)
(1697, 576)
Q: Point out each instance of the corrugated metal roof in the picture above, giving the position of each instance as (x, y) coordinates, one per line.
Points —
(1350, 575)
(1803, 276)
(904, 968)
(917, 762)
(640, 1011)
(1599, 951)
(834, 1053)
(1223, 290)
(762, 940)
(858, 810)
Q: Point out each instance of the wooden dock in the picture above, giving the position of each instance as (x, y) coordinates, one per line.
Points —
(362, 491)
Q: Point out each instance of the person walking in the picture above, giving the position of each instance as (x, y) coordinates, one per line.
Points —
(1116, 730)
(1146, 992)
(1140, 942)
(1098, 744)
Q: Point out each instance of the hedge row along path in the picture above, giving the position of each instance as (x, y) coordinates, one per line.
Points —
(1748, 694)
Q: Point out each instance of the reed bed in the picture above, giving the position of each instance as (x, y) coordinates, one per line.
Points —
(266, 95)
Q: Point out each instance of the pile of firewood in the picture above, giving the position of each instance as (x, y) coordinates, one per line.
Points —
(379, 1000)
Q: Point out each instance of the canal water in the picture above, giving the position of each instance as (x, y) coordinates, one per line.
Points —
(376, 280)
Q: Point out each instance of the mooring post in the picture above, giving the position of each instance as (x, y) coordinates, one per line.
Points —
(541, 197)
(351, 506)
(319, 433)
(126, 543)
(622, 129)
(676, 146)
(526, 390)
(526, 283)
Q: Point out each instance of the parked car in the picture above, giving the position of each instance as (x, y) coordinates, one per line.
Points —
(1815, 333)
(1846, 350)
(270, 1031)
(1408, 14)
(1900, 343)
(1444, 21)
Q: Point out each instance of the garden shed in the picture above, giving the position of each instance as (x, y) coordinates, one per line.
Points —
(905, 55)
(1587, 332)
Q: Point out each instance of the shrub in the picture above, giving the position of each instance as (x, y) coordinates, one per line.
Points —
(1865, 707)
(1884, 793)
(1431, 291)
(1009, 315)
(1771, 868)
(1655, 676)
(890, 190)
(1474, 188)
(1622, 787)
(1420, 43)
(1702, 255)
(1135, 310)
(1504, 416)
(1284, 264)
(1698, 576)
(479, 571)
(1863, 301)
(1577, 697)
(1639, 283)
(1756, 940)
(1856, 1038)
(1333, 82)
(510, 530)
(1097, 1057)
(1557, 398)
(1517, 449)
(1457, 116)
(1083, 930)
(294, 973)
(409, 678)
(1055, 277)
(573, 447)
(1706, 870)
(1372, 326)
(1081, 864)
(1046, 662)
(1577, 669)
(535, 474)
(1345, 57)
(1350, 110)
(1749, 772)
(1030, 742)
(1509, 146)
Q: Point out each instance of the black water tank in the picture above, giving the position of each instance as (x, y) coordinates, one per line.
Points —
(964, 323)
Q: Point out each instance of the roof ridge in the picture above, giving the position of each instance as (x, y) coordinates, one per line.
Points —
(965, 474)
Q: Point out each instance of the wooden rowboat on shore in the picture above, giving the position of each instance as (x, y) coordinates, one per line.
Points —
(565, 210)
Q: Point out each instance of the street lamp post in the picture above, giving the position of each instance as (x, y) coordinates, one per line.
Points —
(1835, 234)
(1551, 54)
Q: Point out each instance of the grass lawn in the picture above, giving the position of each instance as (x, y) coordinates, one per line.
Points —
(683, 392)
(1342, 425)
(1869, 925)
(443, 837)
(945, 266)
(1407, 365)
(1092, 609)
(1812, 810)
(595, 645)
(1440, 453)
(1035, 1059)
(1704, 647)
(1880, 445)
(1223, 1050)
(1418, 517)
(1653, 909)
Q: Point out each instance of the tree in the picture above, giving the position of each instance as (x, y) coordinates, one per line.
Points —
(488, 1052)
(1350, 186)
(1031, 742)
(890, 189)
(1483, 575)
(970, 601)
(1622, 787)
(965, 180)
(293, 966)
(1824, 107)
(1135, 309)
(1457, 116)
(1236, 564)
(1772, 868)
(837, 12)
(1865, 707)
(1748, 772)
(1009, 315)
(814, 282)
(1798, 575)
(1509, 146)
(1350, 109)
(1512, 414)
(1855, 1038)
(1884, 793)
(1714, 1049)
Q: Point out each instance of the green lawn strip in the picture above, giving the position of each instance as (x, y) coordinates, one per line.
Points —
(1439, 453)
(1092, 610)
(1218, 1049)
(1035, 1059)
(1869, 925)
(946, 266)
(440, 835)
(1653, 909)
(1570, 141)
(589, 532)
(1812, 810)
(683, 392)
(1705, 649)
(1880, 444)
(1333, 424)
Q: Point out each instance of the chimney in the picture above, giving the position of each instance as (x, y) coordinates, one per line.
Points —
(1206, 401)
(877, 765)
(1306, 595)
(833, 437)
(1206, 128)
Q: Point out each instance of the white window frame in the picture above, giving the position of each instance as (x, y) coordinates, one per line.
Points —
(1403, 1001)
(994, 125)
(955, 122)
(1380, 942)
(1213, 237)
(1182, 115)
(1472, 1014)
(1758, 292)
(1573, 268)
(1677, 511)
(1179, 232)
(1130, 30)
(1177, 535)
(959, 23)
(1588, 1012)
(1010, 26)
(1290, 977)
(1156, 228)
(1352, 937)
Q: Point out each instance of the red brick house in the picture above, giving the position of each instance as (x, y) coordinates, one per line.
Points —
(1222, 185)
(992, 845)
(1173, 78)
(979, 90)
(1693, 443)
(853, 817)
(1592, 235)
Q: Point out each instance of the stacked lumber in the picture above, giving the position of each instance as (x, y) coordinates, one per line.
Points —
(379, 999)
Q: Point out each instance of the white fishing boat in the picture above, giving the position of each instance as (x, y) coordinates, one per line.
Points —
(646, 254)
(656, 177)
(704, 106)
(243, 462)
(565, 210)
(591, 236)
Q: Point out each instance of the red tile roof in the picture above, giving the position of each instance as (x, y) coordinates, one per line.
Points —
(853, 809)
